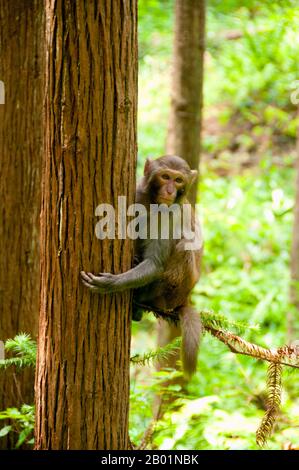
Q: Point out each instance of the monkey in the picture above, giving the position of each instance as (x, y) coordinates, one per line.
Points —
(164, 272)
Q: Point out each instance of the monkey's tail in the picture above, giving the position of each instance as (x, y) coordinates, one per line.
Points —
(191, 334)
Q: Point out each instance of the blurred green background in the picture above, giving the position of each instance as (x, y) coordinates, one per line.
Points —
(246, 195)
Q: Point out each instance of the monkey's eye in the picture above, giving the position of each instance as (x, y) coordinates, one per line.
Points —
(179, 180)
(165, 176)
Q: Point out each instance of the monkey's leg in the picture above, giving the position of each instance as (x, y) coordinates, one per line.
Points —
(105, 283)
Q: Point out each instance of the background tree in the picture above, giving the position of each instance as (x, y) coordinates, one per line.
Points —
(21, 54)
(82, 383)
(293, 327)
(184, 129)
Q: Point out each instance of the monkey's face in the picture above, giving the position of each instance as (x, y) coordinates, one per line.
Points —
(169, 185)
(168, 179)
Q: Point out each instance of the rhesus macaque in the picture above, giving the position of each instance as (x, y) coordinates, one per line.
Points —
(165, 272)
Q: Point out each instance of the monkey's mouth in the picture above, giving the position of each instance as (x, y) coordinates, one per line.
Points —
(164, 200)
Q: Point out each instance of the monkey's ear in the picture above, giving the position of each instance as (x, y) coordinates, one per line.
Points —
(193, 176)
(147, 167)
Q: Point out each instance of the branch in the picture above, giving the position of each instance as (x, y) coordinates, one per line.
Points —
(273, 404)
(147, 437)
(286, 355)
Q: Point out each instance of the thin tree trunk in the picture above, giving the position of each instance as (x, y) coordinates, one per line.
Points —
(21, 55)
(293, 323)
(82, 383)
(184, 129)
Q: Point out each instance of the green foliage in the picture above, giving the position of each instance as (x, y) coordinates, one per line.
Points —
(247, 221)
(155, 46)
(144, 390)
(251, 77)
(248, 83)
(154, 27)
(218, 321)
(21, 421)
(24, 349)
(157, 355)
(261, 64)
(22, 424)
(247, 245)
(246, 275)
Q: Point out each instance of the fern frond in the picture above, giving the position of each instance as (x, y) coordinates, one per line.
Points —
(273, 403)
(158, 354)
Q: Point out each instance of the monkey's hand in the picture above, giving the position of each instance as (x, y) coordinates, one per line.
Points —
(104, 283)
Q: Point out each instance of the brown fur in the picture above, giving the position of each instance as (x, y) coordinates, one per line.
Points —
(164, 273)
(171, 292)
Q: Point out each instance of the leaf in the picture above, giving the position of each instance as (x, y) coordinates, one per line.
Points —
(4, 431)
(23, 436)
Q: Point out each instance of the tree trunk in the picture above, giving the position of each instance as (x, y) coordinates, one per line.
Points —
(82, 383)
(293, 325)
(21, 54)
(184, 127)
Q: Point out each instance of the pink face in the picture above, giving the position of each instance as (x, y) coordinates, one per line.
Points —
(169, 183)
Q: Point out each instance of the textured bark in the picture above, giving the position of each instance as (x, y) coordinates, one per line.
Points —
(82, 384)
(293, 324)
(21, 29)
(184, 128)
(183, 137)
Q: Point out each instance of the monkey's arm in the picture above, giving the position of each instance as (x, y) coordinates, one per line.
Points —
(144, 273)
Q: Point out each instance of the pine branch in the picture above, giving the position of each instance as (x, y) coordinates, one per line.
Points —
(25, 350)
(157, 355)
(216, 325)
(15, 361)
(286, 355)
(273, 404)
(215, 320)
